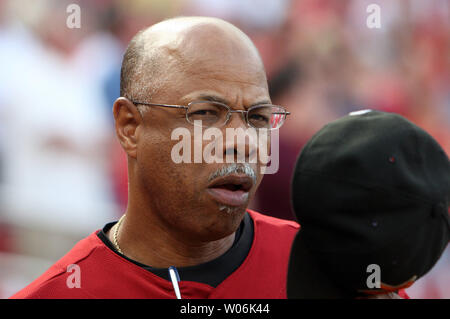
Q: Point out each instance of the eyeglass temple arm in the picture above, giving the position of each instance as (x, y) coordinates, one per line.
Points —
(284, 113)
(241, 111)
(163, 105)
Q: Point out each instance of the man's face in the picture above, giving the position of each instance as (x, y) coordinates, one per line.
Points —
(186, 196)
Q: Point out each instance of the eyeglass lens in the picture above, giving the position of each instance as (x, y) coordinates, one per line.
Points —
(216, 114)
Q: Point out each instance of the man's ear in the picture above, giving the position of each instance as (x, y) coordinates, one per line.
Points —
(127, 120)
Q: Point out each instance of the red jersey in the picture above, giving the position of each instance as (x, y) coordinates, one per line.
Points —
(103, 273)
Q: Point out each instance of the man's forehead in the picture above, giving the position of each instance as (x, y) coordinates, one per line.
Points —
(196, 37)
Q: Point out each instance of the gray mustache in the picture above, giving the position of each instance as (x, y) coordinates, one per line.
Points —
(239, 168)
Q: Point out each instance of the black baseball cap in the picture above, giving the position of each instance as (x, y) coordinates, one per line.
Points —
(371, 188)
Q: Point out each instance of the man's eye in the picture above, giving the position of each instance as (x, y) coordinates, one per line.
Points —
(204, 112)
(259, 117)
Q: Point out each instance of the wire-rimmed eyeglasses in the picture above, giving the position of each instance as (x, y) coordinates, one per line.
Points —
(216, 114)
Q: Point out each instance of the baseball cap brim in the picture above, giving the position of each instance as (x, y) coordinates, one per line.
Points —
(305, 279)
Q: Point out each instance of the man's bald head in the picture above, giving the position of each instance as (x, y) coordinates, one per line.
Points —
(181, 44)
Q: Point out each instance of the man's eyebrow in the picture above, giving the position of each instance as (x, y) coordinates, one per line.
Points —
(214, 98)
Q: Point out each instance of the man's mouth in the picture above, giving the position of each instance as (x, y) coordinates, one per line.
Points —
(231, 190)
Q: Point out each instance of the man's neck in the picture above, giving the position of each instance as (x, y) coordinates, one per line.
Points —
(149, 244)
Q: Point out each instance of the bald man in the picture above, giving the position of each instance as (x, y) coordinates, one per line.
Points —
(186, 232)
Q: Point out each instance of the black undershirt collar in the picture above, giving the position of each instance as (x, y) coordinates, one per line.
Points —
(212, 272)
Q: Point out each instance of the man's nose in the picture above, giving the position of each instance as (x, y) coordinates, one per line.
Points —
(237, 119)
(241, 141)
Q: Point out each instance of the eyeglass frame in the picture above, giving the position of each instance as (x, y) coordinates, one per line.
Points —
(230, 110)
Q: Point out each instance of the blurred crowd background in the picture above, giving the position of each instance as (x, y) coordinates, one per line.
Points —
(62, 172)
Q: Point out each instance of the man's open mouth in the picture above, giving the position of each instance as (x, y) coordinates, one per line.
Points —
(231, 190)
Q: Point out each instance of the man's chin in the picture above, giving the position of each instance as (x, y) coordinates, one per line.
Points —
(225, 220)
(232, 210)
